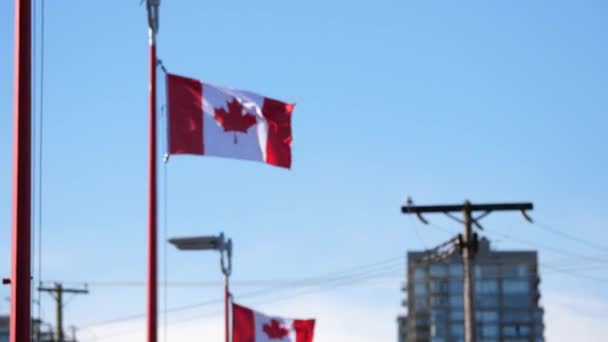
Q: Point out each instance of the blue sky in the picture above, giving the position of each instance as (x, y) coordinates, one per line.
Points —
(490, 101)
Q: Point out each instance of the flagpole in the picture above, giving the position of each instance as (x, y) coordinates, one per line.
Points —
(226, 307)
(152, 284)
(226, 261)
(20, 314)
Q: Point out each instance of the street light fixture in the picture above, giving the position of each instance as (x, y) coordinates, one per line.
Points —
(212, 243)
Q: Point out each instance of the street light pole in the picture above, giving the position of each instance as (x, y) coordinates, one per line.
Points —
(226, 270)
(217, 243)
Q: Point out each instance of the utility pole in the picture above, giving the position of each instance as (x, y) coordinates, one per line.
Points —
(468, 244)
(73, 329)
(57, 292)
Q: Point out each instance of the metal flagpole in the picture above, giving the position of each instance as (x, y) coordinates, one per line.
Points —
(226, 270)
(20, 315)
(226, 307)
(152, 286)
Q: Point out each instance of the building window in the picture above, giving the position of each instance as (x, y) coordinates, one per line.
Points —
(515, 271)
(486, 301)
(438, 324)
(516, 300)
(516, 330)
(439, 286)
(439, 301)
(515, 286)
(420, 288)
(456, 301)
(487, 316)
(456, 270)
(456, 285)
(489, 330)
(419, 273)
(420, 303)
(456, 315)
(457, 330)
(486, 286)
(438, 270)
(486, 271)
(516, 317)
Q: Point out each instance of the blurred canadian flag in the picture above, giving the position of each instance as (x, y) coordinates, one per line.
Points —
(252, 326)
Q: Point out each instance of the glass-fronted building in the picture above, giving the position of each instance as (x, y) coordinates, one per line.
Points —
(38, 333)
(4, 324)
(506, 297)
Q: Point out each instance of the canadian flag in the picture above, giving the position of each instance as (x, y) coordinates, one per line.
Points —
(253, 326)
(206, 119)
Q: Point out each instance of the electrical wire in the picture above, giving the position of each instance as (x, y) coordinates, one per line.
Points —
(165, 225)
(570, 237)
(348, 282)
(422, 241)
(596, 259)
(535, 244)
(245, 283)
(40, 143)
(548, 247)
(38, 71)
(354, 273)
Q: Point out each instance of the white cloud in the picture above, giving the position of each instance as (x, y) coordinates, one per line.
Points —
(575, 318)
(337, 320)
(568, 318)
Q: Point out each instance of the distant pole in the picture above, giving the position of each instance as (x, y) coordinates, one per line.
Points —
(226, 308)
(20, 314)
(73, 330)
(57, 292)
(468, 245)
(469, 283)
(226, 261)
(152, 286)
(59, 312)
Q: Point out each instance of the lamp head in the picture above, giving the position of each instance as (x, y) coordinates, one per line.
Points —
(197, 243)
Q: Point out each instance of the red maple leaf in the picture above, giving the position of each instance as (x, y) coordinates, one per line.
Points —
(274, 330)
(233, 120)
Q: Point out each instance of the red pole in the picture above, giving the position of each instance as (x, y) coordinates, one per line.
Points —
(20, 320)
(152, 236)
(226, 308)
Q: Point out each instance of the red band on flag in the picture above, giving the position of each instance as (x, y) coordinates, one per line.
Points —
(243, 327)
(278, 146)
(185, 108)
(305, 330)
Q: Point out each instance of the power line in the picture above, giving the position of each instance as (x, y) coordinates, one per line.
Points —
(571, 237)
(387, 265)
(320, 288)
(397, 260)
(536, 244)
(548, 247)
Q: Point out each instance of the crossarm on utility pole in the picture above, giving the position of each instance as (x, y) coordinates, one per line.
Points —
(415, 209)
